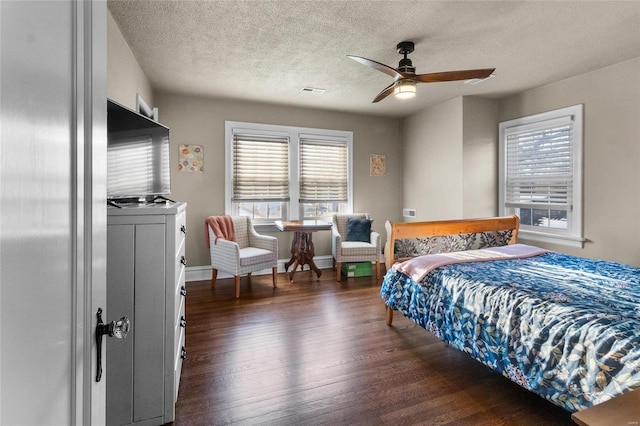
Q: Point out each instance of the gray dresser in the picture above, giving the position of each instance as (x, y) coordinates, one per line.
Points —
(145, 282)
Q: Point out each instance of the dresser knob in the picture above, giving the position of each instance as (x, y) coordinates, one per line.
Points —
(183, 260)
(183, 229)
(183, 290)
(183, 353)
(183, 322)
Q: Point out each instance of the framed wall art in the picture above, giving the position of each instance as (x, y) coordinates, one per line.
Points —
(377, 165)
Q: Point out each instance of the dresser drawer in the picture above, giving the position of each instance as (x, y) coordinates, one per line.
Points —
(180, 324)
(180, 264)
(178, 366)
(179, 299)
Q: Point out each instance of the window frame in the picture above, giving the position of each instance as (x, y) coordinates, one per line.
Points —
(573, 235)
(293, 209)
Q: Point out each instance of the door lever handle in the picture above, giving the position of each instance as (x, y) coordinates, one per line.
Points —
(118, 329)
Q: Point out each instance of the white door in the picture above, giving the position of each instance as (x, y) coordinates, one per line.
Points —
(52, 210)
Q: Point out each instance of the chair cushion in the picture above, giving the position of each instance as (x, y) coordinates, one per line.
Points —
(358, 230)
(358, 248)
(253, 256)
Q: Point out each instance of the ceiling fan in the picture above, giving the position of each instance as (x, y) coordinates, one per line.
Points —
(405, 77)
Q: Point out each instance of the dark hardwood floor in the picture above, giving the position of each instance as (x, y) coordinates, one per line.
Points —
(319, 352)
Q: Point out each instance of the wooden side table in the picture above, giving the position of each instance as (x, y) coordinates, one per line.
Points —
(302, 250)
(623, 410)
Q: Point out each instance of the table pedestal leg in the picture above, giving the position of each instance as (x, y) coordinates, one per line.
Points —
(302, 252)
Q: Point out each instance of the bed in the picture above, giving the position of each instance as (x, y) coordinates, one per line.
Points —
(564, 327)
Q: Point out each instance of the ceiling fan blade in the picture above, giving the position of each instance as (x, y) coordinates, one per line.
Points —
(378, 66)
(385, 92)
(453, 75)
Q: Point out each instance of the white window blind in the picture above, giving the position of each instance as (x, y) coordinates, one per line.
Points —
(539, 165)
(323, 171)
(260, 168)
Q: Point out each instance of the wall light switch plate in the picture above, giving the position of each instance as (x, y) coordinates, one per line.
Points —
(409, 212)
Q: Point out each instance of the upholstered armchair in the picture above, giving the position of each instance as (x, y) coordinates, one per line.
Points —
(248, 252)
(354, 241)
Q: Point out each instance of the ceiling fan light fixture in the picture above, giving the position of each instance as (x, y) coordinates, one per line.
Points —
(405, 89)
(405, 77)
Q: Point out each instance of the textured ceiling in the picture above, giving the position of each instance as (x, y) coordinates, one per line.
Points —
(267, 51)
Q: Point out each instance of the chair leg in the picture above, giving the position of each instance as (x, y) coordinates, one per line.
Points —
(274, 276)
(236, 280)
(377, 269)
(214, 276)
(338, 271)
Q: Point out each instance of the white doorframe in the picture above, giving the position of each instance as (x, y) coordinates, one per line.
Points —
(52, 210)
(90, 44)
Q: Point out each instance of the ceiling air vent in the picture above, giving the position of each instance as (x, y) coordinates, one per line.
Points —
(313, 90)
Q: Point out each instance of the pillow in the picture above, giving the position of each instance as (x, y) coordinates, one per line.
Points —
(358, 230)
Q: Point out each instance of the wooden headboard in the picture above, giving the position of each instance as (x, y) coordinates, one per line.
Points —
(405, 230)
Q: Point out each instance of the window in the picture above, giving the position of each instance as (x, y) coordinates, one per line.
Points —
(323, 177)
(260, 175)
(286, 173)
(541, 175)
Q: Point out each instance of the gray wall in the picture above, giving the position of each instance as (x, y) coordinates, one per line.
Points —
(479, 157)
(125, 78)
(450, 160)
(450, 156)
(432, 161)
(611, 167)
(441, 161)
(200, 121)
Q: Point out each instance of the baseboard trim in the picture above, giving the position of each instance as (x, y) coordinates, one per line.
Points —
(202, 273)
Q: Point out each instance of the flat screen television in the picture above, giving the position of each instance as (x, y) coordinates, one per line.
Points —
(137, 155)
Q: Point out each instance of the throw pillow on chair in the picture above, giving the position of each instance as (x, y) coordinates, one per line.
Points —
(358, 230)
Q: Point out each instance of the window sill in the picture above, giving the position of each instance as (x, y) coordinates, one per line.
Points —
(271, 226)
(265, 227)
(542, 237)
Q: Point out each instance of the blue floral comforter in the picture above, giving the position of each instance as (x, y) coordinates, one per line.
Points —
(564, 327)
